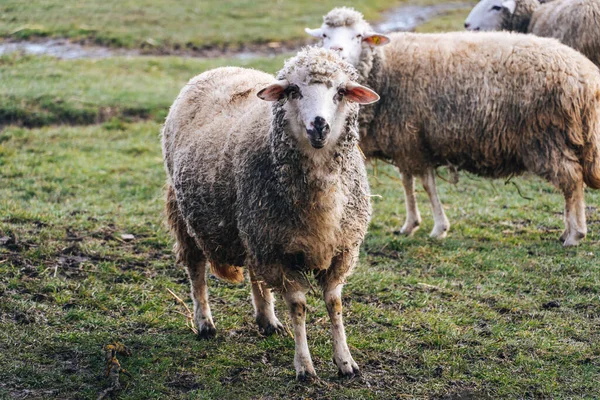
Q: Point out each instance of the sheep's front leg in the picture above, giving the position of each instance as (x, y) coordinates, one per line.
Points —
(264, 308)
(441, 223)
(296, 301)
(332, 293)
(413, 218)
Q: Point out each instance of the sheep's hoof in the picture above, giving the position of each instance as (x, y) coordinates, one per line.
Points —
(268, 327)
(306, 376)
(440, 233)
(347, 369)
(574, 238)
(409, 228)
(207, 331)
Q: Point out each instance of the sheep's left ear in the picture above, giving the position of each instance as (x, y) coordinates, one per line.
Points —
(318, 33)
(375, 39)
(360, 94)
(274, 91)
(510, 5)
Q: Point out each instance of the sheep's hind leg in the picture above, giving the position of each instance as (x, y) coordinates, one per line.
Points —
(413, 218)
(202, 315)
(332, 293)
(576, 228)
(441, 223)
(195, 263)
(296, 301)
(264, 308)
(193, 258)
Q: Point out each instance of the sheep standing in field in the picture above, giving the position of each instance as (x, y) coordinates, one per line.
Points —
(494, 104)
(575, 23)
(275, 183)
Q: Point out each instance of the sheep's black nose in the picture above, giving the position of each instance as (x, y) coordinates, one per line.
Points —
(321, 128)
(320, 122)
(467, 25)
(321, 125)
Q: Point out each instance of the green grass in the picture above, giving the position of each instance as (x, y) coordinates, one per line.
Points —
(37, 91)
(172, 25)
(464, 316)
(448, 22)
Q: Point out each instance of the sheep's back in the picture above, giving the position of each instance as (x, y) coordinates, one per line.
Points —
(575, 23)
(479, 100)
(208, 104)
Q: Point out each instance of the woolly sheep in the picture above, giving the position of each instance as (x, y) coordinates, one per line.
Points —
(278, 186)
(575, 23)
(495, 104)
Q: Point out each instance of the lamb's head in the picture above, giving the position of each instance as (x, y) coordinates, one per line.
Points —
(489, 15)
(345, 31)
(317, 91)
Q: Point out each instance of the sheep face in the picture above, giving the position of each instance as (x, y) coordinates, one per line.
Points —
(488, 15)
(346, 33)
(317, 96)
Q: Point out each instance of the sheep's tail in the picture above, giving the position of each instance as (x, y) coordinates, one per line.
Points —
(228, 273)
(591, 149)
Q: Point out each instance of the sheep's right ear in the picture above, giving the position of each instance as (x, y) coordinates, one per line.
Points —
(360, 94)
(510, 5)
(376, 39)
(318, 33)
(274, 91)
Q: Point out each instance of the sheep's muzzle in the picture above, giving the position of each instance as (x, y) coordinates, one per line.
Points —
(317, 133)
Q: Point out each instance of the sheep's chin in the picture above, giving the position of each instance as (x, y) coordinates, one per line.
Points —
(317, 144)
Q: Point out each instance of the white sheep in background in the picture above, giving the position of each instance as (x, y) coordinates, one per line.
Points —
(575, 23)
(277, 185)
(494, 104)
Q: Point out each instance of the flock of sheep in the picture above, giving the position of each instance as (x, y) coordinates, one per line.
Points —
(267, 174)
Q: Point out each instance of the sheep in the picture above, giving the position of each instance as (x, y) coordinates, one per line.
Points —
(575, 23)
(274, 183)
(496, 104)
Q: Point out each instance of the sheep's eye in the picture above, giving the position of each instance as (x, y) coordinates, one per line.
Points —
(359, 36)
(340, 94)
(324, 36)
(496, 8)
(293, 91)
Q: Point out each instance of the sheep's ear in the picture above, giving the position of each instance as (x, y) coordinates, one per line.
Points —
(510, 5)
(375, 39)
(318, 33)
(274, 91)
(360, 94)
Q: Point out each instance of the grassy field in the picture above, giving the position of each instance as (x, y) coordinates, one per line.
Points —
(38, 91)
(497, 310)
(167, 25)
(448, 22)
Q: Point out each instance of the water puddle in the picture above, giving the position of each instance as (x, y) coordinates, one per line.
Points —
(67, 50)
(405, 18)
(62, 48)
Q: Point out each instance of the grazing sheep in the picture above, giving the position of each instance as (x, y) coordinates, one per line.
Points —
(279, 188)
(575, 23)
(495, 104)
